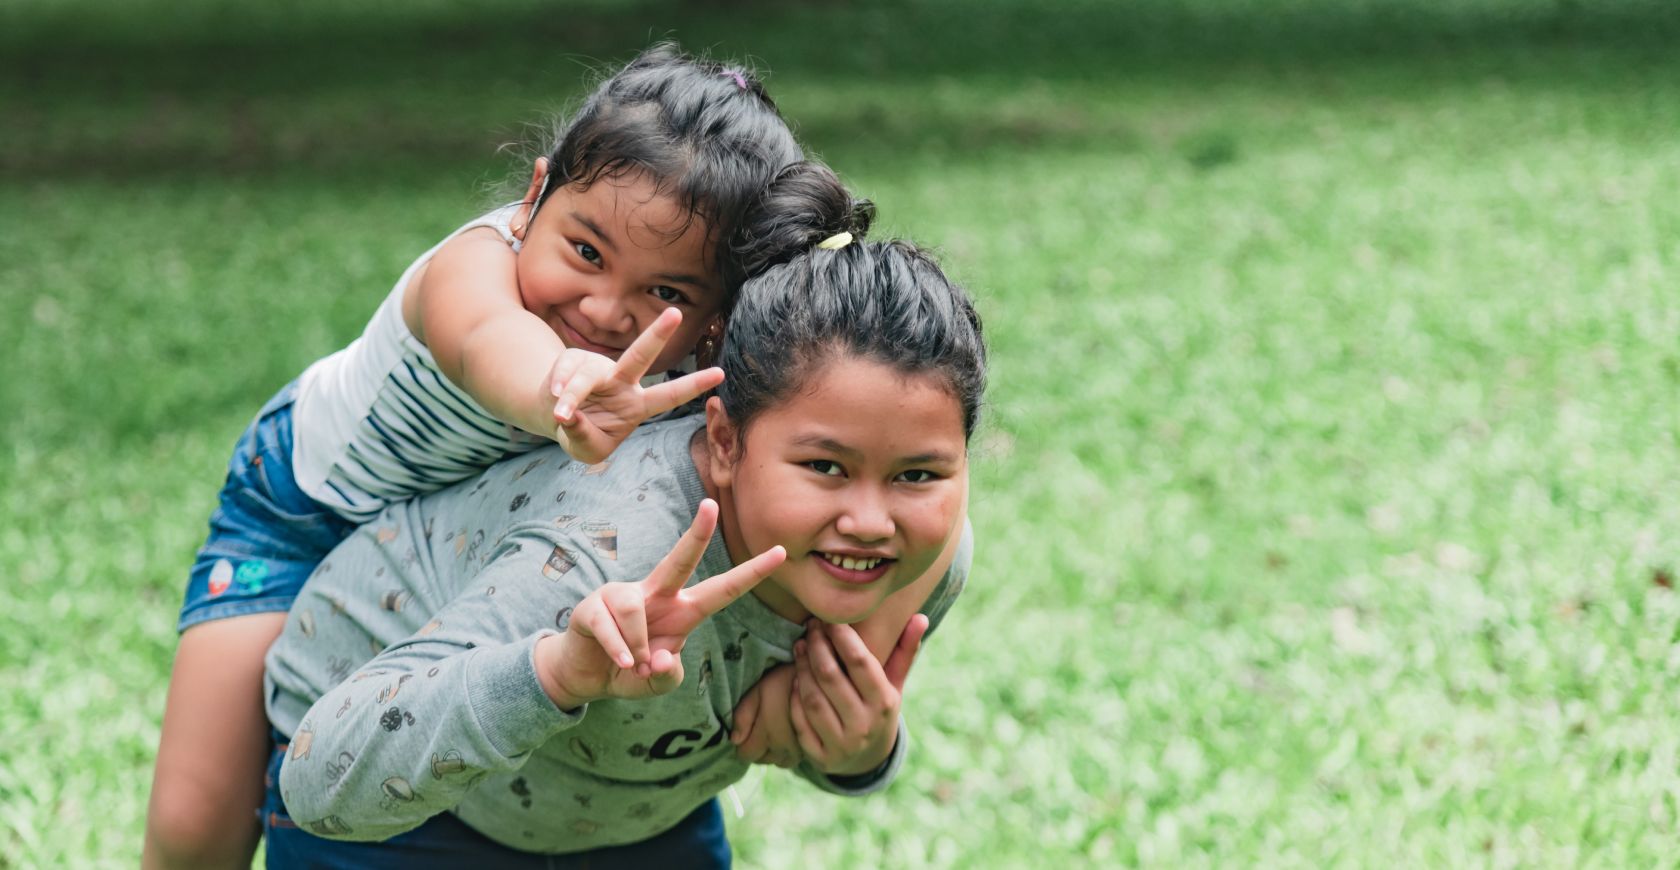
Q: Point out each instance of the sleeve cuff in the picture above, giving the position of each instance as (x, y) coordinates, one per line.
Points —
(508, 701)
(872, 781)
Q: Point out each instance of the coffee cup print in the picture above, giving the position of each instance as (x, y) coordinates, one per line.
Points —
(603, 536)
(559, 562)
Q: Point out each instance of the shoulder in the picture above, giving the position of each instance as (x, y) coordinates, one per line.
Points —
(955, 580)
(645, 492)
(651, 470)
(473, 247)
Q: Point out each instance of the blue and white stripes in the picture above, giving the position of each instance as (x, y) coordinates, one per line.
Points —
(421, 434)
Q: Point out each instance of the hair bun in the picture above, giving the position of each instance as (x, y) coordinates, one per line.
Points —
(859, 217)
(806, 204)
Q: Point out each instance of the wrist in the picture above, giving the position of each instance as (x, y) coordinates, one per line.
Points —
(851, 778)
(865, 767)
(550, 654)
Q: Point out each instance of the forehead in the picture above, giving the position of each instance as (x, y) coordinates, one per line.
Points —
(868, 407)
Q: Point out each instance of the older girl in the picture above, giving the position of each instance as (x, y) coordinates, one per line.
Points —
(501, 698)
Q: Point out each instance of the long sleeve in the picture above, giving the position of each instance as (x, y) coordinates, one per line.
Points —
(415, 729)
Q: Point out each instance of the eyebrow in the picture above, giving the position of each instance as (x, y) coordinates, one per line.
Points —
(833, 446)
(695, 281)
(606, 240)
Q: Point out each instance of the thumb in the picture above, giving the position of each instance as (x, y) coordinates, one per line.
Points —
(904, 654)
(746, 713)
(667, 671)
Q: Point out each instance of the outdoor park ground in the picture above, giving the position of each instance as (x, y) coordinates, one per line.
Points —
(1327, 495)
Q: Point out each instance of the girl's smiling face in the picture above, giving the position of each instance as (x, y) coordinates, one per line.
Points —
(599, 264)
(860, 474)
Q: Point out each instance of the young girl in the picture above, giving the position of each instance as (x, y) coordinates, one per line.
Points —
(524, 706)
(628, 244)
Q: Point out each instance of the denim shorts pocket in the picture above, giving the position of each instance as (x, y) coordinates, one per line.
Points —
(261, 482)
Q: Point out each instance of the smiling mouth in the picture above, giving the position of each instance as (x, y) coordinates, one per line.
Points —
(851, 564)
(575, 339)
(854, 569)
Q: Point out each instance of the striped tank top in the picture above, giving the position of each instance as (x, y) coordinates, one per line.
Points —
(377, 422)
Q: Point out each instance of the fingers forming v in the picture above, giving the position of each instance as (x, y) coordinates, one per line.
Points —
(673, 571)
(634, 362)
(719, 592)
(660, 398)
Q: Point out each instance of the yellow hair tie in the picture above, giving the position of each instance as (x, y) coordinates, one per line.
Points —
(835, 242)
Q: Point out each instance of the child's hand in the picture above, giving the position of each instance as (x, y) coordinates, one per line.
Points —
(599, 402)
(763, 732)
(845, 708)
(624, 640)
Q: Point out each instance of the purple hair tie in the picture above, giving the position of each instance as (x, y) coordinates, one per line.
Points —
(740, 80)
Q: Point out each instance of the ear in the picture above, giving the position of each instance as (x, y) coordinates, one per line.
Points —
(722, 440)
(539, 174)
(522, 220)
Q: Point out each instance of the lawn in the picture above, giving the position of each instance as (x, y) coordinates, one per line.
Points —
(1320, 498)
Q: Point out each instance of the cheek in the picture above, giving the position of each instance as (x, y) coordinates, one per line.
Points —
(781, 511)
(537, 285)
(938, 516)
(546, 281)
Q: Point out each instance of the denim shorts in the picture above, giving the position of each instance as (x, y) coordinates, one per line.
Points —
(443, 842)
(266, 535)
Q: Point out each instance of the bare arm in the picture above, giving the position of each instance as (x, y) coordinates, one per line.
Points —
(465, 307)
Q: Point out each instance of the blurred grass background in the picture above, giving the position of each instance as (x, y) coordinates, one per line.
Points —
(1327, 497)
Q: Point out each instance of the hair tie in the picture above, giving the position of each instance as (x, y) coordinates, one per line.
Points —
(740, 80)
(835, 242)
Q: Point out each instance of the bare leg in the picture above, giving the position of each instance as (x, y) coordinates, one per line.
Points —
(208, 784)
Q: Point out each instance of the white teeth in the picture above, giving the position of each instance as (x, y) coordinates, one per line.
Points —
(852, 564)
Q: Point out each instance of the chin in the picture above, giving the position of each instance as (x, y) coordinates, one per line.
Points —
(843, 612)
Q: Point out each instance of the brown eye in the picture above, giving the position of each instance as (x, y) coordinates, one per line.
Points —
(825, 467)
(588, 252)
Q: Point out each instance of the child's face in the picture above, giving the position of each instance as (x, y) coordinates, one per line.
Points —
(862, 464)
(599, 264)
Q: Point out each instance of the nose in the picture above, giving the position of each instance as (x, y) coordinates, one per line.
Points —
(867, 516)
(606, 312)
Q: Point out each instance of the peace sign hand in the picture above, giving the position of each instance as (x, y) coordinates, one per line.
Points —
(625, 639)
(598, 402)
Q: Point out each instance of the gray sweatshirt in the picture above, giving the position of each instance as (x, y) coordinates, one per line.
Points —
(405, 678)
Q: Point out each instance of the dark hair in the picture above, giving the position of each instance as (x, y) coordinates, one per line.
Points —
(806, 204)
(704, 133)
(887, 302)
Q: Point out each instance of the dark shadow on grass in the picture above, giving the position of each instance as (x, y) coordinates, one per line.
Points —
(350, 89)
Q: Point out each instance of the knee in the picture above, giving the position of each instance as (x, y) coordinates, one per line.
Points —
(186, 827)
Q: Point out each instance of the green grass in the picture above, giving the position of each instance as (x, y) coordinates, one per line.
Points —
(1326, 498)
